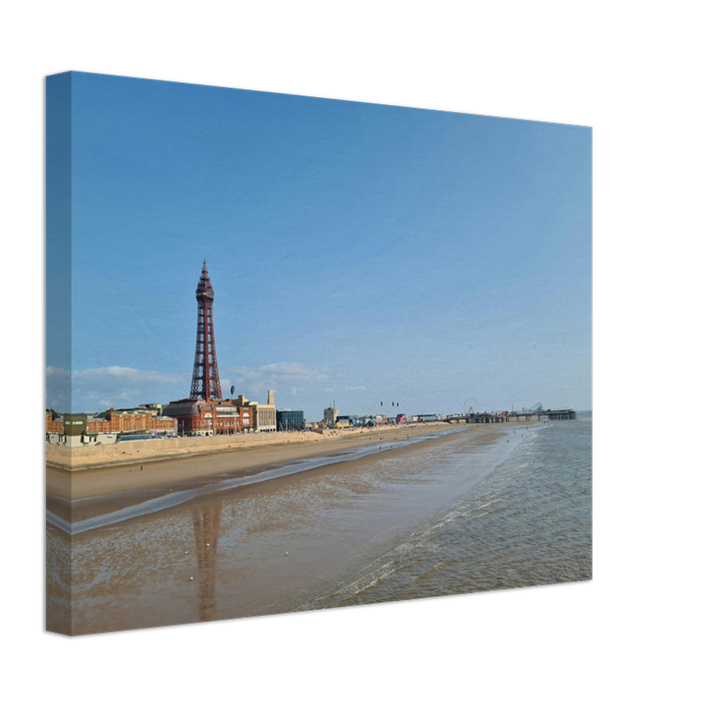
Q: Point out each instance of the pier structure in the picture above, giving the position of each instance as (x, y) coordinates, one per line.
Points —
(521, 416)
(534, 415)
(557, 415)
(483, 418)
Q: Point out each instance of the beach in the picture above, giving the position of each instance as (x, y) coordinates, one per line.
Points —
(159, 465)
(275, 528)
(353, 519)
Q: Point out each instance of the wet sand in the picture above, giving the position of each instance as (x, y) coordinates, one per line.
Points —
(154, 471)
(261, 548)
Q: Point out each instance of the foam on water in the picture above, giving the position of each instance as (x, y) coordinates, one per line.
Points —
(535, 529)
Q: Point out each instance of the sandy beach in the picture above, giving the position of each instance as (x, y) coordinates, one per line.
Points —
(250, 531)
(136, 472)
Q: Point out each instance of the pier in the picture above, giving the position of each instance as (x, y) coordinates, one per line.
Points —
(568, 414)
(484, 418)
(523, 416)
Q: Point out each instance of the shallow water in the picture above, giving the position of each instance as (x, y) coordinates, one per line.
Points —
(527, 523)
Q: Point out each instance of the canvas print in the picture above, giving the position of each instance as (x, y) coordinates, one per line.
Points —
(305, 353)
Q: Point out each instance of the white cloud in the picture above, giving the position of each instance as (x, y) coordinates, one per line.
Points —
(57, 388)
(356, 388)
(111, 386)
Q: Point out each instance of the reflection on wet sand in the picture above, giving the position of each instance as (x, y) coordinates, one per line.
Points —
(286, 540)
(206, 528)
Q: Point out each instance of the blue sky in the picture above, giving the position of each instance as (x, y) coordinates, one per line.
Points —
(359, 253)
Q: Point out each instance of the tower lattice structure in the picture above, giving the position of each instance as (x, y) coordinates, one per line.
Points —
(206, 376)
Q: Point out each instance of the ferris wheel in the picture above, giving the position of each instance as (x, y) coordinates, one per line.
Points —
(470, 407)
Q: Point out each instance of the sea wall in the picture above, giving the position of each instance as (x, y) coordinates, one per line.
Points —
(122, 452)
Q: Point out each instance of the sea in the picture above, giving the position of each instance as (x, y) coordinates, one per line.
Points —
(369, 525)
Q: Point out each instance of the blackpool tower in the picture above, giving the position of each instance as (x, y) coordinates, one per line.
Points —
(206, 376)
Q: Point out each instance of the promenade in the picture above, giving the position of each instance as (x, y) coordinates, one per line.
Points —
(133, 466)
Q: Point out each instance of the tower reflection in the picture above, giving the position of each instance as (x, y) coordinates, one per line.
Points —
(206, 527)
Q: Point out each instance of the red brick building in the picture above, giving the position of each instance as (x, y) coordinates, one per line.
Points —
(130, 421)
(206, 417)
(114, 421)
(53, 422)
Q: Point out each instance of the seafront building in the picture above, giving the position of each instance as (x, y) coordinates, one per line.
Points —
(265, 415)
(186, 417)
(290, 420)
(73, 429)
(210, 417)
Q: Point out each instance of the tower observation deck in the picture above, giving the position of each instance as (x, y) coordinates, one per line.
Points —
(206, 376)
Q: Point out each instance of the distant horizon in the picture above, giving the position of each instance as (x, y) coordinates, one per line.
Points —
(359, 253)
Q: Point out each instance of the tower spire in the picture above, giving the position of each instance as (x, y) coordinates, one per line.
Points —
(206, 376)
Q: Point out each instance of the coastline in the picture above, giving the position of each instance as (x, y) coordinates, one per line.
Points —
(197, 459)
(125, 453)
(252, 543)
